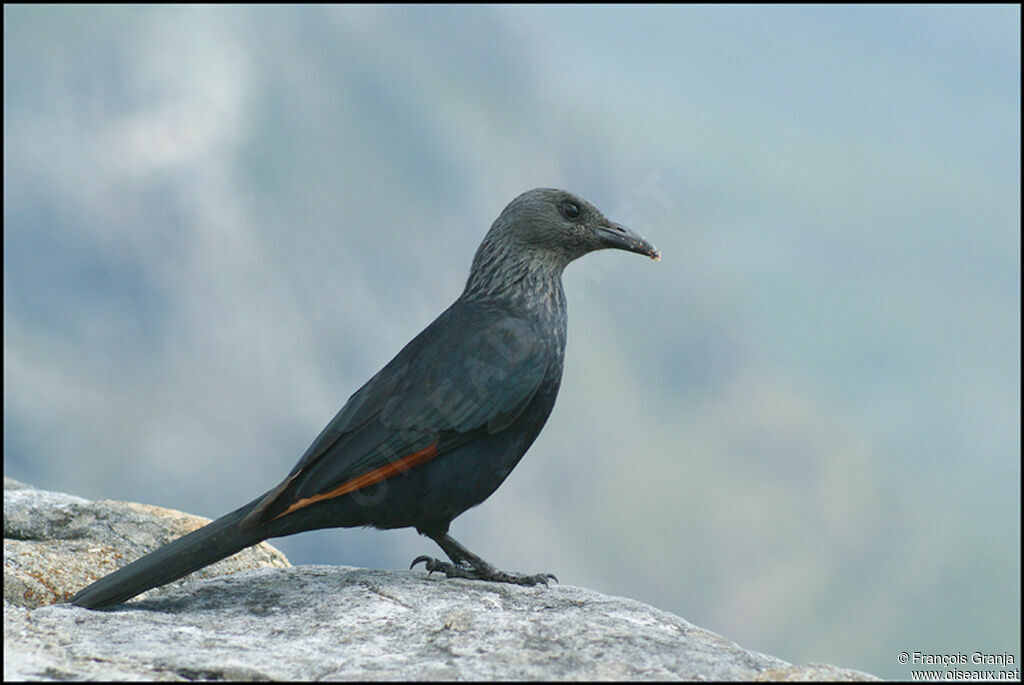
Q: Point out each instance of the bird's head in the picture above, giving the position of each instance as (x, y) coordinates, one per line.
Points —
(538, 234)
(565, 225)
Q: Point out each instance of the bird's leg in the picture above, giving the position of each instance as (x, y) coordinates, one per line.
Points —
(465, 564)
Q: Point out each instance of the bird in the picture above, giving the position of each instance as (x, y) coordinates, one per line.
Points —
(437, 429)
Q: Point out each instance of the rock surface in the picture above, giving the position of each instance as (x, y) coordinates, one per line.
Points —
(55, 544)
(330, 623)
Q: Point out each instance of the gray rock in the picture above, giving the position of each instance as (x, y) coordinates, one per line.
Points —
(339, 623)
(56, 544)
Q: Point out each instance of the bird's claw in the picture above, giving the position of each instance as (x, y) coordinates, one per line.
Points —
(427, 562)
(481, 573)
(536, 579)
(451, 570)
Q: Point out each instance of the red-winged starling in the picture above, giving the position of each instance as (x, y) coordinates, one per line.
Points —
(439, 428)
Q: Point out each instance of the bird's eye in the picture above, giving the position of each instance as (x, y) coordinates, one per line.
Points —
(571, 210)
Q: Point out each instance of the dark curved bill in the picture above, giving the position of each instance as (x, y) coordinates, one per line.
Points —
(619, 237)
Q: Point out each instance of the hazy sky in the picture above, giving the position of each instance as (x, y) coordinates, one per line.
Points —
(800, 429)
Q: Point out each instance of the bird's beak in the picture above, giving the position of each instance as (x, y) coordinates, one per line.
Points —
(619, 237)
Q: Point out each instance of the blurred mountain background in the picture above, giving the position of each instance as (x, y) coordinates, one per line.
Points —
(800, 429)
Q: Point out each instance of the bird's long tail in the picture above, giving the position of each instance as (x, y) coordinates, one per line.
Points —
(212, 542)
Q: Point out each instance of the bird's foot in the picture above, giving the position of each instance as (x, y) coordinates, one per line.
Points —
(482, 571)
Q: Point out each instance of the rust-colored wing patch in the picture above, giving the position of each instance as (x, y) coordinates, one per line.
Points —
(368, 479)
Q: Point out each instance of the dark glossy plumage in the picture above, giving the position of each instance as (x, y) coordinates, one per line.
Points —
(439, 428)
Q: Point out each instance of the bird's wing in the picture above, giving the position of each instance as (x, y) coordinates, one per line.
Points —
(474, 369)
